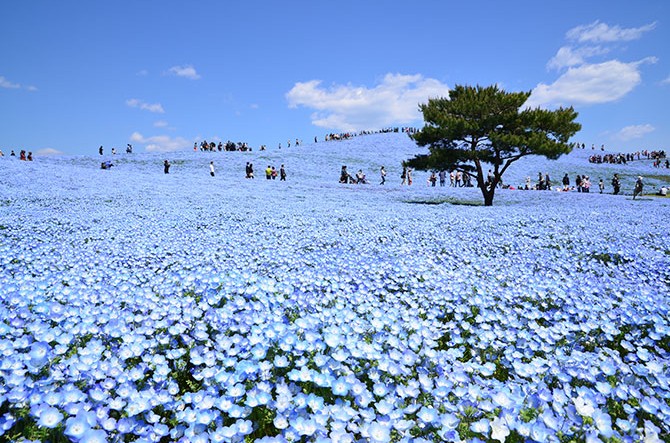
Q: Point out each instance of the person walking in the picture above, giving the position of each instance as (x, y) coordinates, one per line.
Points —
(166, 167)
(211, 168)
(282, 174)
(382, 174)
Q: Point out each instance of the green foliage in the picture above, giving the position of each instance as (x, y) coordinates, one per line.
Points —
(263, 419)
(607, 258)
(486, 125)
(529, 414)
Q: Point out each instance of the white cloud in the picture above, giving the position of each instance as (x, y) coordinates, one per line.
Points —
(666, 81)
(160, 124)
(151, 107)
(590, 84)
(4, 83)
(186, 71)
(394, 101)
(597, 32)
(634, 131)
(142, 73)
(49, 151)
(161, 143)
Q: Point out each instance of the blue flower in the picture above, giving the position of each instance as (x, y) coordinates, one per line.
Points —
(50, 417)
(379, 433)
(94, 436)
(76, 427)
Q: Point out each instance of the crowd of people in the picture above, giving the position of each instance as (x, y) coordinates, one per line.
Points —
(349, 135)
(581, 183)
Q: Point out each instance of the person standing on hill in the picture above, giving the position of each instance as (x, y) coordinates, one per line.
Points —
(211, 168)
(382, 174)
(616, 184)
(566, 182)
(282, 174)
(100, 150)
(403, 176)
(638, 187)
(432, 179)
(166, 167)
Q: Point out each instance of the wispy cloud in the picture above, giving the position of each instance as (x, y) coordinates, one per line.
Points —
(568, 56)
(151, 107)
(394, 101)
(598, 32)
(186, 71)
(666, 81)
(161, 143)
(6, 84)
(633, 132)
(160, 124)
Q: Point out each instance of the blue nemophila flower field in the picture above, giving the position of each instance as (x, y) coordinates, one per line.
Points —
(143, 306)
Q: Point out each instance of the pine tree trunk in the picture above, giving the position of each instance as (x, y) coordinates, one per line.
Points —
(488, 195)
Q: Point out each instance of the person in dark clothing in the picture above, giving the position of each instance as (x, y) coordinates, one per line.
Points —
(166, 167)
(638, 187)
(100, 150)
(282, 174)
(566, 182)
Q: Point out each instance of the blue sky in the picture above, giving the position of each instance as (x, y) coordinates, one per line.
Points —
(75, 75)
